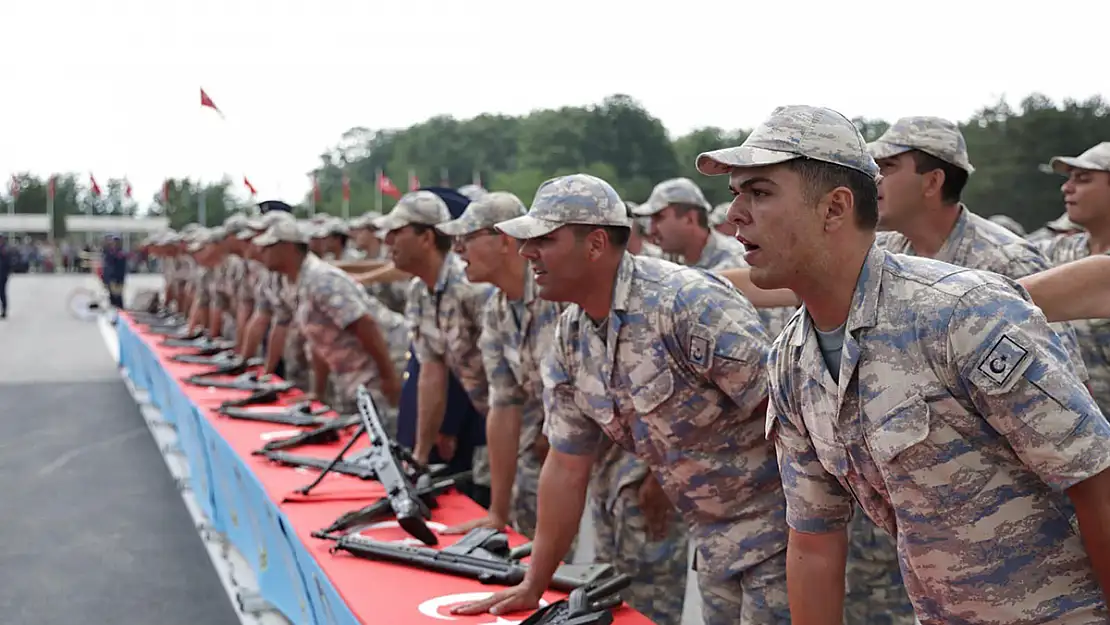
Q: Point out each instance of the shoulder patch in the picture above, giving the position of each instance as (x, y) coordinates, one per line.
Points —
(1003, 359)
(699, 353)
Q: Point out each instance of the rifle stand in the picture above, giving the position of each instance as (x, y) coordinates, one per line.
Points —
(359, 458)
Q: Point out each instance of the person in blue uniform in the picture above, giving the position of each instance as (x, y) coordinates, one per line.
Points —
(114, 262)
(461, 420)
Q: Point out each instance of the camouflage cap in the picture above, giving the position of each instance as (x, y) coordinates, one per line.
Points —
(284, 231)
(932, 135)
(719, 214)
(416, 207)
(473, 191)
(673, 191)
(1063, 223)
(264, 221)
(1094, 159)
(485, 212)
(191, 227)
(793, 132)
(366, 220)
(196, 239)
(235, 223)
(574, 199)
(329, 227)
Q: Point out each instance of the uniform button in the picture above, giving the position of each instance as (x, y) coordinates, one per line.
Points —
(408, 355)
(405, 376)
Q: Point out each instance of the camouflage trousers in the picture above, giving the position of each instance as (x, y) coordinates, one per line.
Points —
(657, 567)
(875, 594)
(298, 369)
(756, 597)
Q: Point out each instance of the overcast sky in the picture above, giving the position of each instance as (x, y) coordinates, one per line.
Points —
(112, 87)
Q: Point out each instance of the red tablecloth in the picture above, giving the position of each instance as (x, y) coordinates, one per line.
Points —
(376, 592)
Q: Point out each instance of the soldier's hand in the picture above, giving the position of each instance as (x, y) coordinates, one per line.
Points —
(491, 521)
(446, 446)
(515, 599)
(655, 506)
(540, 447)
(391, 388)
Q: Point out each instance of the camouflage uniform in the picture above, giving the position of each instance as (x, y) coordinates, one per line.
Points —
(515, 336)
(875, 590)
(446, 320)
(954, 419)
(1093, 334)
(675, 375)
(1061, 226)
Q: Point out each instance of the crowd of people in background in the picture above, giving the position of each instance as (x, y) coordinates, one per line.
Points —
(34, 255)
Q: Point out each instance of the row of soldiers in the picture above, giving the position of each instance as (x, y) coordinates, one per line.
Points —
(924, 428)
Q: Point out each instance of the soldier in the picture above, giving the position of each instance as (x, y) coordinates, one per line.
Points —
(350, 336)
(232, 274)
(517, 329)
(444, 310)
(718, 219)
(679, 215)
(1061, 226)
(636, 529)
(332, 236)
(925, 166)
(1087, 199)
(668, 362)
(935, 396)
(641, 228)
(1008, 223)
(200, 279)
(367, 240)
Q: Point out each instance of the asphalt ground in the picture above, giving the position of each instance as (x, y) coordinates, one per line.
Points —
(92, 528)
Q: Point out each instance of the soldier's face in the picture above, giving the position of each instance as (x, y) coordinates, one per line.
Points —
(670, 230)
(317, 246)
(560, 263)
(405, 247)
(367, 240)
(1087, 196)
(901, 191)
(484, 252)
(777, 225)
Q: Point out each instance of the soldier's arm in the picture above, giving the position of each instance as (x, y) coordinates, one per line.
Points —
(431, 383)
(760, 298)
(1017, 375)
(279, 330)
(504, 421)
(1073, 291)
(817, 512)
(360, 266)
(388, 273)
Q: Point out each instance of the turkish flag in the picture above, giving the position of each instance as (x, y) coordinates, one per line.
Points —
(95, 188)
(386, 186)
(315, 190)
(15, 187)
(250, 187)
(414, 182)
(346, 188)
(207, 101)
(50, 187)
(127, 188)
(165, 193)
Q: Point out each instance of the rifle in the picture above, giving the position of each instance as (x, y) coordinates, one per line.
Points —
(326, 433)
(254, 381)
(218, 359)
(163, 318)
(384, 457)
(260, 396)
(587, 605)
(480, 567)
(300, 414)
(380, 509)
(177, 331)
(355, 467)
(203, 345)
(229, 365)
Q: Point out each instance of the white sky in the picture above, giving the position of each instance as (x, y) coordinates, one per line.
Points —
(112, 87)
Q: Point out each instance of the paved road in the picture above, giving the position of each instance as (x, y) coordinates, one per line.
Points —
(92, 529)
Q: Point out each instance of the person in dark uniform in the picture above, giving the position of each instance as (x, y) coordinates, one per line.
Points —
(114, 262)
(5, 270)
(461, 420)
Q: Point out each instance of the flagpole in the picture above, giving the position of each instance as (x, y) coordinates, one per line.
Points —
(50, 209)
(378, 186)
(346, 190)
(312, 201)
(202, 209)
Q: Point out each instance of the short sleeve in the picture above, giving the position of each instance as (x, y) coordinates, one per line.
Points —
(1016, 370)
(720, 337)
(504, 391)
(203, 288)
(414, 314)
(567, 428)
(816, 502)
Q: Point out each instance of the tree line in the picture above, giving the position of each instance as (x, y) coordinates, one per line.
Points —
(620, 141)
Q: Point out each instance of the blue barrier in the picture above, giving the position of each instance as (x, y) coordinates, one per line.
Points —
(233, 499)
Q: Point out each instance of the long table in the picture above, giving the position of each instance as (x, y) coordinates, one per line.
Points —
(252, 501)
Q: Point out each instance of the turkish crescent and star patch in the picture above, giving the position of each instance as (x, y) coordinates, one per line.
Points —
(699, 351)
(1003, 359)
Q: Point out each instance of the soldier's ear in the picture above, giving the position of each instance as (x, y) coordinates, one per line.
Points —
(836, 208)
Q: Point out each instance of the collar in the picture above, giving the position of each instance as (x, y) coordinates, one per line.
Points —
(622, 286)
(309, 264)
(864, 311)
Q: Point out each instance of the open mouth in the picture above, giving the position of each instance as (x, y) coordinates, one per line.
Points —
(748, 245)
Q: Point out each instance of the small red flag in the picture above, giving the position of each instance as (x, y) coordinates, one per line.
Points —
(95, 188)
(346, 188)
(386, 186)
(50, 187)
(127, 188)
(414, 182)
(315, 190)
(15, 187)
(250, 187)
(207, 101)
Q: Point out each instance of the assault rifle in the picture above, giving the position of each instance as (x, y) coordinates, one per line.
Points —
(261, 396)
(586, 605)
(173, 330)
(219, 359)
(486, 564)
(299, 414)
(203, 345)
(322, 435)
(253, 381)
(163, 318)
(359, 464)
(426, 489)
